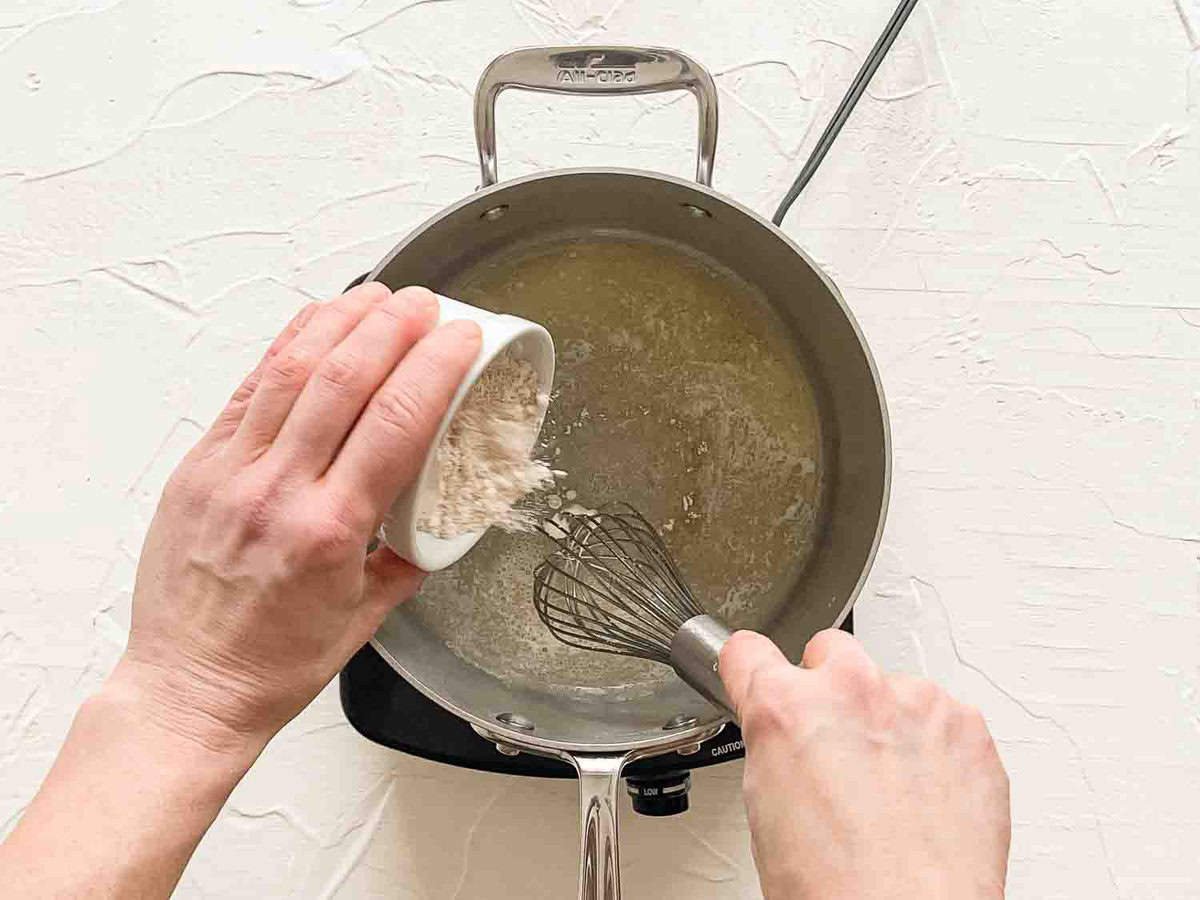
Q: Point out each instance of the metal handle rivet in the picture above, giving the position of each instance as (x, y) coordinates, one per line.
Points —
(696, 212)
(515, 720)
(680, 721)
(494, 213)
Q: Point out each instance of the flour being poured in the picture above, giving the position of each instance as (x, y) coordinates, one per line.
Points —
(485, 464)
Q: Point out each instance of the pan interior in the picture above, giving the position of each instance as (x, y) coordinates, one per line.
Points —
(680, 390)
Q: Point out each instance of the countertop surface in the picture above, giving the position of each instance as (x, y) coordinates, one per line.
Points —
(1012, 214)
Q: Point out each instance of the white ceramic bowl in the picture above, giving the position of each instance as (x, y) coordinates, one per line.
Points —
(529, 341)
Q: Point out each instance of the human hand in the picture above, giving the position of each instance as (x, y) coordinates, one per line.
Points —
(862, 784)
(254, 585)
(253, 589)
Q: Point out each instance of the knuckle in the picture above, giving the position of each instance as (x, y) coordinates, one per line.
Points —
(399, 409)
(392, 311)
(291, 367)
(353, 515)
(339, 372)
(245, 391)
(767, 717)
(252, 505)
(328, 539)
(441, 358)
(922, 695)
(772, 706)
(858, 676)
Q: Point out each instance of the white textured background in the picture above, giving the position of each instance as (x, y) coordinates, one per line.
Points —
(1012, 213)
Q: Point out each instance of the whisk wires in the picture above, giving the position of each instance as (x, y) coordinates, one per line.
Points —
(612, 586)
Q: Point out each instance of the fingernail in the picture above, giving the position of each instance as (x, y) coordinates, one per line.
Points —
(422, 302)
(379, 291)
(465, 329)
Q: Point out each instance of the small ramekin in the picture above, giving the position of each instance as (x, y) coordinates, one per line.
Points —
(528, 341)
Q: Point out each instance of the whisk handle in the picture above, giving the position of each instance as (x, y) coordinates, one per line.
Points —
(695, 651)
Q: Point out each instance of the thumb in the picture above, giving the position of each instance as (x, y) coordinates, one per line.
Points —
(390, 580)
(745, 655)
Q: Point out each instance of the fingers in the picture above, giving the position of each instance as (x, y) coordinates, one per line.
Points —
(349, 375)
(833, 646)
(388, 444)
(847, 669)
(749, 661)
(287, 372)
(231, 416)
(744, 659)
(390, 580)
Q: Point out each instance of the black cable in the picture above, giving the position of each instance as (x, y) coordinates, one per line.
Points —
(857, 87)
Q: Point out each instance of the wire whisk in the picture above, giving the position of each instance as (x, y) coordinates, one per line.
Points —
(611, 586)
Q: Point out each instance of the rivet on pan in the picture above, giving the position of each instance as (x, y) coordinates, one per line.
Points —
(689, 750)
(507, 750)
(696, 212)
(494, 213)
(515, 720)
(680, 721)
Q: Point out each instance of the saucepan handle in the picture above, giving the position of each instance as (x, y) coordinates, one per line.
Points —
(595, 70)
(599, 862)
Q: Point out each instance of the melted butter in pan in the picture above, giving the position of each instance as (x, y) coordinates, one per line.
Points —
(678, 390)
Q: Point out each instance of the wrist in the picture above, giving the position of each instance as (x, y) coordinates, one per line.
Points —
(160, 707)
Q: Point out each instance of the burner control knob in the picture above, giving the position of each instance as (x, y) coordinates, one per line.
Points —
(665, 794)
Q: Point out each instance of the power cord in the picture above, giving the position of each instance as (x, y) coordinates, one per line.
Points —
(857, 87)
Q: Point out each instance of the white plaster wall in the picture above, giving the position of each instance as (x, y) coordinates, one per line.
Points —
(1012, 214)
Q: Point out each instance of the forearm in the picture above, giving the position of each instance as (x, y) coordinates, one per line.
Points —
(125, 803)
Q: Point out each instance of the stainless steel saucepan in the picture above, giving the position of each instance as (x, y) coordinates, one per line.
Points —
(540, 221)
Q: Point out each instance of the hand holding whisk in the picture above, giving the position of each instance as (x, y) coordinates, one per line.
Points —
(611, 586)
